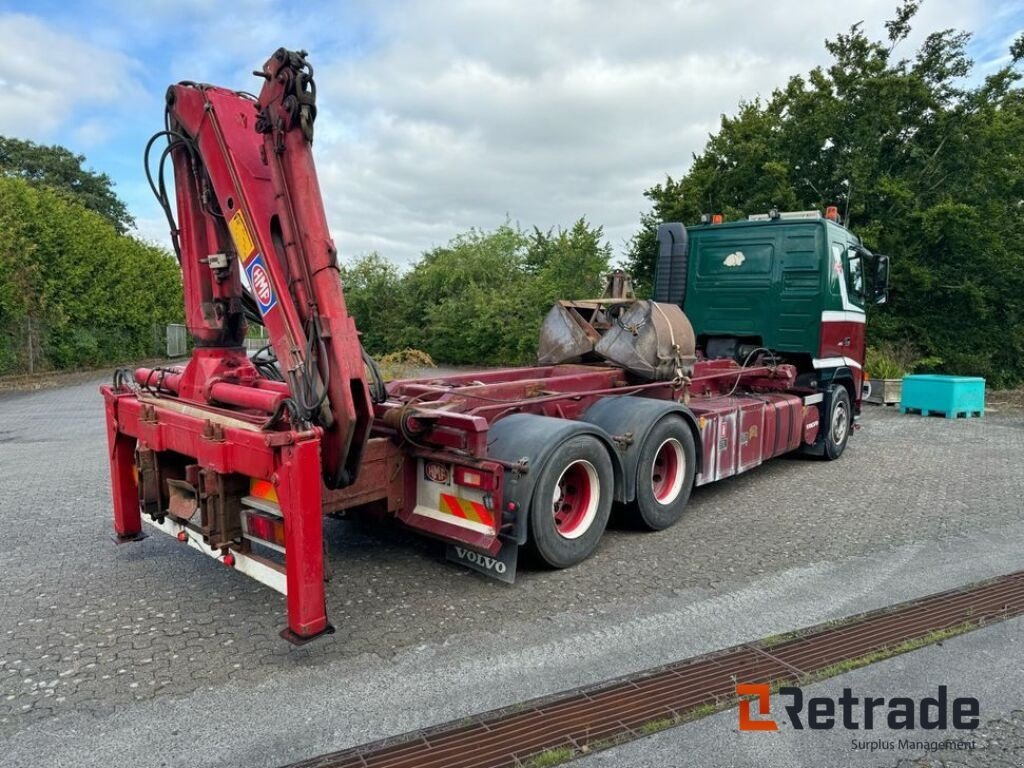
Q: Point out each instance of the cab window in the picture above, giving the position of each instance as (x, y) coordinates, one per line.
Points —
(855, 276)
(836, 267)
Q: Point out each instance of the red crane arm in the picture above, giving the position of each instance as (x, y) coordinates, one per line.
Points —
(249, 201)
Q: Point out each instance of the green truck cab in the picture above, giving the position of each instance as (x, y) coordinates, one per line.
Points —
(796, 284)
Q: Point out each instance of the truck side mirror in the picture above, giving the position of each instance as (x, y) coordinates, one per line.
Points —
(880, 280)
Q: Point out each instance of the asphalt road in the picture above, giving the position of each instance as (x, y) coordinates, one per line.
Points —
(180, 658)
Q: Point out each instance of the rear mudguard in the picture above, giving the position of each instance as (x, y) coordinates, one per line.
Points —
(629, 420)
(527, 441)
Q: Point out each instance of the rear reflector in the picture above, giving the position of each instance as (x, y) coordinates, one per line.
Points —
(473, 478)
(263, 528)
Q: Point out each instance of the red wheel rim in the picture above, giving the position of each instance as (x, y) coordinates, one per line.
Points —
(575, 499)
(668, 471)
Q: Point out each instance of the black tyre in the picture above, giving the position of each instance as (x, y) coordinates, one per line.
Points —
(572, 502)
(664, 475)
(840, 421)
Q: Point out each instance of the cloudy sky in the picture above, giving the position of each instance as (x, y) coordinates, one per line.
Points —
(437, 117)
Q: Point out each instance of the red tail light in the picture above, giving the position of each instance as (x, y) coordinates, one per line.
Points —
(265, 528)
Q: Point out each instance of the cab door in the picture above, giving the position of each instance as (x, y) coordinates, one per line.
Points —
(842, 319)
(855, 274)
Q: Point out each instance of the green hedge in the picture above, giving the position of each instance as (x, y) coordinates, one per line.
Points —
(74, 292)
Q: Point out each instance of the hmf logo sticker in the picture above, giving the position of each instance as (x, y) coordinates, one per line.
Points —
(262, 288)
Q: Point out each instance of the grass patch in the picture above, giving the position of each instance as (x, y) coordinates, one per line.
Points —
(550, 757)
(656, 725)
(404, 363)
(783, 637)
(932, 638)
(702, 711)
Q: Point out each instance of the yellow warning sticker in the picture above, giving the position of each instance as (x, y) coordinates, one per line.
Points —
(240, 233)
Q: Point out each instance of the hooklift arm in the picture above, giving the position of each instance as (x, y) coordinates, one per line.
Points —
(248, 199)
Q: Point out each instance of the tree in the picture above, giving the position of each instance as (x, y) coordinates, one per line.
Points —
(374, 297)
(61, 169)
(480, 299)
(467, 299)
(924, 167)
(568, 263)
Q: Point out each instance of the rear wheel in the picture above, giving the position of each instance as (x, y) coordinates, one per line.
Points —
(664, 475)
(572, 502)
(840, 420)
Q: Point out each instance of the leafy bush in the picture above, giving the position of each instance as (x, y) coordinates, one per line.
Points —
(73, 291)
(480, 299)
(878, 365)
(895, 360)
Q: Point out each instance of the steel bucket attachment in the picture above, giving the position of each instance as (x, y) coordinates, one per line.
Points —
(650, 339)
(565, 336)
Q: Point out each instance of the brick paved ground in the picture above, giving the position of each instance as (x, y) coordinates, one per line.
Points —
(87, 627)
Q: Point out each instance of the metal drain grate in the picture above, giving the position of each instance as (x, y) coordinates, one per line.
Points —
(618, 710)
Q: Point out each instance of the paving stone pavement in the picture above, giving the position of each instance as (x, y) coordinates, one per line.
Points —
(87, 626)
(999, 744)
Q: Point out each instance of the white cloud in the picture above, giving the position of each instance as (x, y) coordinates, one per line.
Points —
(92, 132)
(548, 111)
(46, 75)
(438, 117)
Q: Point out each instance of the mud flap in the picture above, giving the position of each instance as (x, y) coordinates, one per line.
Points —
(501, 566)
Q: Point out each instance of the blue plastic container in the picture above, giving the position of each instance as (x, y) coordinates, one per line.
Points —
(951, 396)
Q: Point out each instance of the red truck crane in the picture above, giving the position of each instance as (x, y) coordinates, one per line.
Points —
(629, 405)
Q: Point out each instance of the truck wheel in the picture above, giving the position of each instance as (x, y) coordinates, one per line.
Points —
(839, 423)
(664, 475)
(572, 502)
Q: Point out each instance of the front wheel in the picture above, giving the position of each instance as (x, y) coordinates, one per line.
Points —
(664, 475)
(840, 420)
(572, 502)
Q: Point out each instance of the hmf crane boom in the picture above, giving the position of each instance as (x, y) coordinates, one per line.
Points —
(241, 457)
(254, 206)
(248, 202)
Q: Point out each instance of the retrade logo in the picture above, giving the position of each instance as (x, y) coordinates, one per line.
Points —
(824, 713)
(762, 692)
